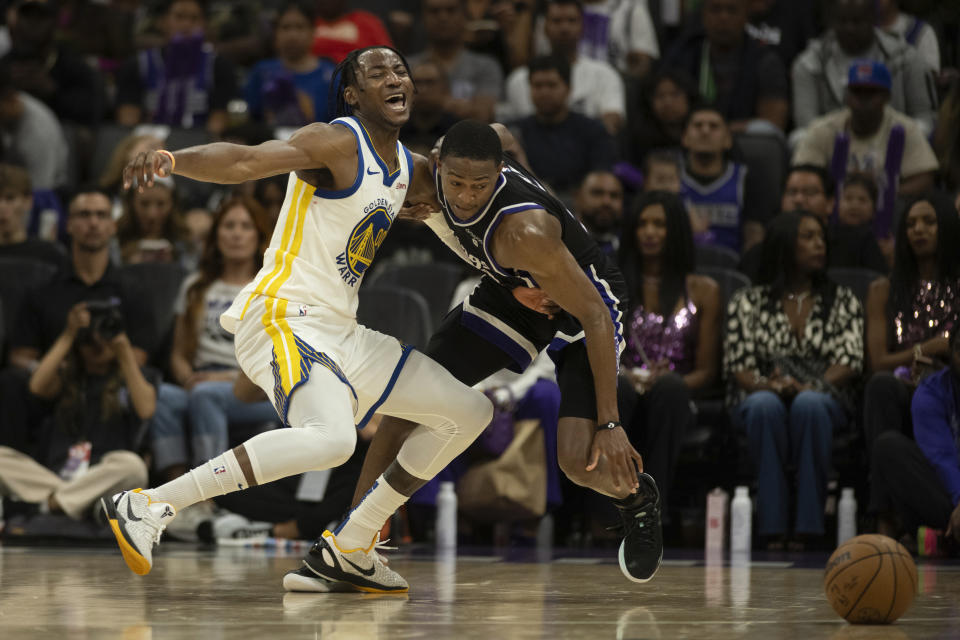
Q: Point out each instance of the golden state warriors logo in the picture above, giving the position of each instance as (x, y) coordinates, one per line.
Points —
(362, 245)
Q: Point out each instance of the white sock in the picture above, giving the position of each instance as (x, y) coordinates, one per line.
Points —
(215, 477)
(363, 523)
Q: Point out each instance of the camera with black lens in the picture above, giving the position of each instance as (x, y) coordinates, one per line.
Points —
(106, 320)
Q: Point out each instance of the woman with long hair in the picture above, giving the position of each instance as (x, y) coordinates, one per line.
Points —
(911, 314)
(673, 329)
(203, 363)
(793, 348)
(151, 228)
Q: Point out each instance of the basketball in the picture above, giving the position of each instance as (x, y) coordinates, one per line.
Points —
(870, 579)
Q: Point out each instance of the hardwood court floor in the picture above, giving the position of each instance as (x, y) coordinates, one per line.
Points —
(234, 594)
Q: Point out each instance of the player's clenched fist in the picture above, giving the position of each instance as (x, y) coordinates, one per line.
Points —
(145, 166)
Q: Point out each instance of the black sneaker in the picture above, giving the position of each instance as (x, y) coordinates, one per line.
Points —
(642, 546)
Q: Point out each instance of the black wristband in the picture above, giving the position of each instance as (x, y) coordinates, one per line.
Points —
(608, 426)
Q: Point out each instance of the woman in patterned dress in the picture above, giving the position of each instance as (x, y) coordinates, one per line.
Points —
(792, 351)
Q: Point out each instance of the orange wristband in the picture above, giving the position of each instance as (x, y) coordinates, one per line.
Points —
(173, 161)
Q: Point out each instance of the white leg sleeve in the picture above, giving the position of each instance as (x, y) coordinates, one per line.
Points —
(322, 436)
(322, 433)
(451, 415)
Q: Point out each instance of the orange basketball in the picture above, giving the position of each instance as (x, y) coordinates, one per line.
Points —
(870, 579)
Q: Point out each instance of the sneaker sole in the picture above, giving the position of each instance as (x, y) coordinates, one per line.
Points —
(137, 563)
(625, 572)
(296, 583)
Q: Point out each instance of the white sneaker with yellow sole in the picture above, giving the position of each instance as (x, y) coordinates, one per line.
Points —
(137, 522)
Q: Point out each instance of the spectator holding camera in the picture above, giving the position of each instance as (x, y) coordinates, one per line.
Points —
(102, 399)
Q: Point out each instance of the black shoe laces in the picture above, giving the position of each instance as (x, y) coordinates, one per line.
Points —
(641, 523)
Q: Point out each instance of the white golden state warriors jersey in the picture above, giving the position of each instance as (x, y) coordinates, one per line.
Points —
(325, 241)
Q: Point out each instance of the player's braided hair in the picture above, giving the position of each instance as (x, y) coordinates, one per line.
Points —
(346, 74)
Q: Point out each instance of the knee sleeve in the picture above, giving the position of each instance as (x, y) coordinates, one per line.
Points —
(450, 414)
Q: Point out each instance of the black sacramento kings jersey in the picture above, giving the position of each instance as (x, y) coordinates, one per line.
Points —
(499, 318)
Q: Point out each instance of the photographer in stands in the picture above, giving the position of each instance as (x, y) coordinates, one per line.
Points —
(42, 320)
(102, 401)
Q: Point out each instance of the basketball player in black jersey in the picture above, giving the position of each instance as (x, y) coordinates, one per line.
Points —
(500, 219)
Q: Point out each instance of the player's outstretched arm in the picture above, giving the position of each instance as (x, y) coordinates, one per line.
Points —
(312, 147)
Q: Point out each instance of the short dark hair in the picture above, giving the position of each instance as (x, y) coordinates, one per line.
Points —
(561, 3)
(661, 156)
(700, 107)
(308, 9)
(14, 179)
(826, 180)
(472, 139)
(864, 180)
(89, 188)
(168, 4)
(550, 63)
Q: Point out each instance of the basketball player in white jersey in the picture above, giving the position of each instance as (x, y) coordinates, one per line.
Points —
(297, 336)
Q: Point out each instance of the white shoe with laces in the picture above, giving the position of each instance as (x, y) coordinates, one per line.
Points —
(327, 567)
(137, 522)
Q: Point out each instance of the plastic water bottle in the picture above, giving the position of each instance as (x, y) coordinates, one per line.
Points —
(717, 502)
(846, 516)
(741, 518)
(446, 516)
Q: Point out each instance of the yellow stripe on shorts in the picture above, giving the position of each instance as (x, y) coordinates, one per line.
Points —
(288, 233)
(275, 314)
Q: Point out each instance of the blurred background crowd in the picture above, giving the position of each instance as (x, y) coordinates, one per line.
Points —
(778, 181)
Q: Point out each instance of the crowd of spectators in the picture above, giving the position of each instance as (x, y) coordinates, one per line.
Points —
(778, 181)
